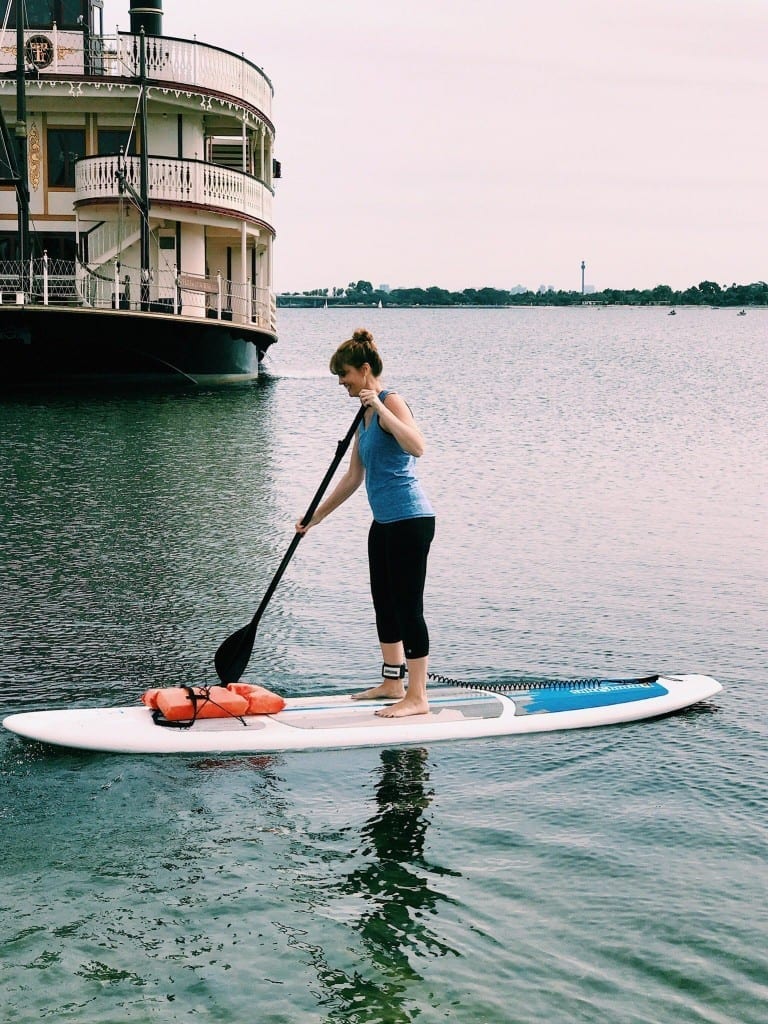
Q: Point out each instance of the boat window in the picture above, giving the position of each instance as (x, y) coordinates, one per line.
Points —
(71, 13)
(65, 146)
(9, 246)
(67, 14)
(112, 140)
(58, 245)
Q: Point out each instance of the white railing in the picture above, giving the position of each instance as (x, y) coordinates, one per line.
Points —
(109, 239)
(272, 309)
(177, 62)
(175, 181)
(39, 282)
(180, 62)
(215, 296)
(48, 282)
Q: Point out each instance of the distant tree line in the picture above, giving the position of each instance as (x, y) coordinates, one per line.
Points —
(362, 293)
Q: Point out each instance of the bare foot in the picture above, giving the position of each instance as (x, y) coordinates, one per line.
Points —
(404, 708)
(388, 690)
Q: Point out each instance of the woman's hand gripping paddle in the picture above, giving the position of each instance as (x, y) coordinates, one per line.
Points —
(232, 657)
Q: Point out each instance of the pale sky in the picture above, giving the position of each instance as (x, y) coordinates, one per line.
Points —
(502, 142)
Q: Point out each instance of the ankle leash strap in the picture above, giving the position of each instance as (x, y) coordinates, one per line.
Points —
(393, 671)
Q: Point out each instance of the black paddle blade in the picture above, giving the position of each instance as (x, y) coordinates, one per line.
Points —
(234, 654)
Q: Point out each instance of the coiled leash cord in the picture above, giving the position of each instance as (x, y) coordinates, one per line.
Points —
(541, 684)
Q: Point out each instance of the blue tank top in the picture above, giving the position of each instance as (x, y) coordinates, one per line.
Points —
(394, 491)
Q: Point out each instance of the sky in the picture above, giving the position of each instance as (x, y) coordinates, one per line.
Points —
(465, 143)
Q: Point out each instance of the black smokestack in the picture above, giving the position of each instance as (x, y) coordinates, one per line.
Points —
(147, 15)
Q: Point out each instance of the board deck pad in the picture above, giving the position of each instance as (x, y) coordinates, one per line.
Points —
(337, 720)
(362, 714)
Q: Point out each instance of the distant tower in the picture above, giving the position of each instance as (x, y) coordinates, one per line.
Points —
(583, 268)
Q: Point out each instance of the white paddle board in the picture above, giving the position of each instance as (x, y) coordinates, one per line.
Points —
(308, 723)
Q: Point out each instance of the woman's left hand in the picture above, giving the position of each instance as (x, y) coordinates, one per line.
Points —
(370, 399)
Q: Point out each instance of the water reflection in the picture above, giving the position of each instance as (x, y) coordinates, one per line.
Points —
(396, 886)
(397, 881)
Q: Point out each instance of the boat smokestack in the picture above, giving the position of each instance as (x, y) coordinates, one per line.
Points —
(147, 15)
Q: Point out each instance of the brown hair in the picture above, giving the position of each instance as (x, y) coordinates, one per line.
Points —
(359, 349)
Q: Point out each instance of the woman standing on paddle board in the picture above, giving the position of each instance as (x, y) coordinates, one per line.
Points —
(384, 453)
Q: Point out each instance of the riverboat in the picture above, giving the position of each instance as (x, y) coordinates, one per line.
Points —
(137, 181)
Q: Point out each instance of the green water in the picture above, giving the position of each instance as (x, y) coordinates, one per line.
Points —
(600, 484)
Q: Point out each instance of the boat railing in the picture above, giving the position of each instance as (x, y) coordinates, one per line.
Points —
(53, 282)
(40, 282)
(107, 239)
(183, 62)
(229, 300)
(175, 62)
(174, 180)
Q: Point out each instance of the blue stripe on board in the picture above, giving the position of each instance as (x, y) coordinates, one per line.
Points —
(533, 702)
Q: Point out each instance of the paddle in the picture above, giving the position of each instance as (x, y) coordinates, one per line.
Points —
(233, 655)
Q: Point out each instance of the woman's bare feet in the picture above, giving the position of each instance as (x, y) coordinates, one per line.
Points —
(390, 689)
(409, 705)
(410, 701)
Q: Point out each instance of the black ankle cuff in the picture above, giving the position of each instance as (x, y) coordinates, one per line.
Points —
(393, 671)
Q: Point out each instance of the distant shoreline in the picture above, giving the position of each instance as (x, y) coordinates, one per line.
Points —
(521, 305)
(364, 296)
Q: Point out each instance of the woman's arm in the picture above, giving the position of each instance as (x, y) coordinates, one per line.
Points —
(346, 487)
(397, 419)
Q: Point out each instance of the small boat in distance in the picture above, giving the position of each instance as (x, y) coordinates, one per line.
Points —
(138, 246)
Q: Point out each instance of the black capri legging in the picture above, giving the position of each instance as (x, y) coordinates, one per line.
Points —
(397, 558)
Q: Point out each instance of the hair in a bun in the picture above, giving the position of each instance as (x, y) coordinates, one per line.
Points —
(359, 349)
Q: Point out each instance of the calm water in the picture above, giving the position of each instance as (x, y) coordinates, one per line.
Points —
(601, 481)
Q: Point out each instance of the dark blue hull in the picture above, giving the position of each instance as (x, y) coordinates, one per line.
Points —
(54, 346)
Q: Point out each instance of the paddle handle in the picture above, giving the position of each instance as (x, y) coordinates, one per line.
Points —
(341, 447)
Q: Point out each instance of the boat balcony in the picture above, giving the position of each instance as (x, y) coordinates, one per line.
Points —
(174, 181)
(177, 63)
(181, 62)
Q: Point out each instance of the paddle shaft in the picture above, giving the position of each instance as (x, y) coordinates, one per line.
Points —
(233, 655)
(341, 447)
